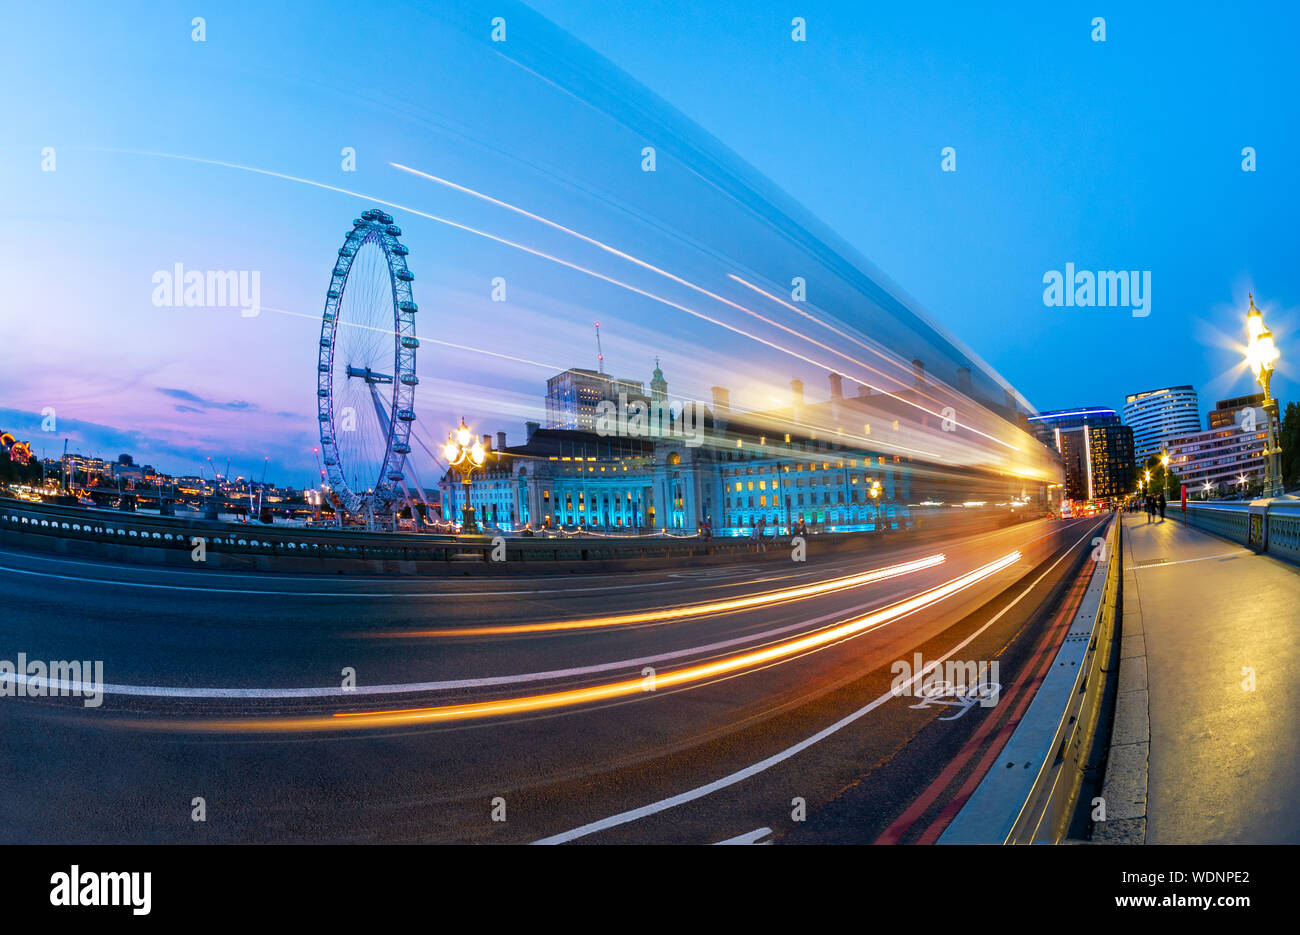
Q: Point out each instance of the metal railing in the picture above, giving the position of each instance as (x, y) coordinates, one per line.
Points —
(241, 540)
(1271, 526)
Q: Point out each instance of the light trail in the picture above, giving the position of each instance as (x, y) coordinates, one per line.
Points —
(679, 611)
(555, 225)
(893, 446)
(532, 704)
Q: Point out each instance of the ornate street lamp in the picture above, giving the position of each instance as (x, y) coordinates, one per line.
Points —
(1262, 354)
(465, 452)
(1164, 464)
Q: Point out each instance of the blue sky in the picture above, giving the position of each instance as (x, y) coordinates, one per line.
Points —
(1117, 155)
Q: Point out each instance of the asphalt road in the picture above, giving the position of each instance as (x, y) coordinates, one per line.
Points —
(227, 687)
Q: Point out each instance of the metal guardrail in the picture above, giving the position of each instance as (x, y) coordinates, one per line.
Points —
(1271, 526)
(179, 534)
(1029, 796)
(173, 538)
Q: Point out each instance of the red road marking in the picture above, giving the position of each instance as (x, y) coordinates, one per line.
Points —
(1040, 662)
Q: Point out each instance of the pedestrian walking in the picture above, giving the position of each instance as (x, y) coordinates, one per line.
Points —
(1150, 506)
(1161, 504)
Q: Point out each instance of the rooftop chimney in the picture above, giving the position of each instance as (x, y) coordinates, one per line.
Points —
(837, 396)
(918, 371)
(530, 428)
(501, 441)
(796, 399)
(487, 443)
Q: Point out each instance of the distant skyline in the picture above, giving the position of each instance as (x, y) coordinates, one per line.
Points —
(1117, 155)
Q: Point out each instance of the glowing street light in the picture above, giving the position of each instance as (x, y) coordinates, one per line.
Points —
(465, 452)
(1164, 464)
(1262, 354)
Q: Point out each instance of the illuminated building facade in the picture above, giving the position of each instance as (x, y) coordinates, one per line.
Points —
(1158, 415)
(1215, 462)
(740, 469)
(1096, 451)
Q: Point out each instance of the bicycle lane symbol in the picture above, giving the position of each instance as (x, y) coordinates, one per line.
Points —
(961, 696)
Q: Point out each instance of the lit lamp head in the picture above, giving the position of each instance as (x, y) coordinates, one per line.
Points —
(478, 454)
(1254, 320)
(451, 451)
(463, 434)
(1263, 353)
(1164, 460)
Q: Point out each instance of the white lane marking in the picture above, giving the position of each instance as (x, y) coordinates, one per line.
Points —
(646, 575)
(830, 567)
(1203, 558)
(163, 691)
(332, 691)
(749, 837)
(334, 594)
(168, 691)
(763, 765)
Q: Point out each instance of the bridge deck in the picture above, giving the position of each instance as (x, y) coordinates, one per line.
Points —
(1197, 756)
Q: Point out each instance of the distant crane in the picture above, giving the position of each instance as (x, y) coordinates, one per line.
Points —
(600, 356)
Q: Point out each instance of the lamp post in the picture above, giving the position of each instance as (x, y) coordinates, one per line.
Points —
(1164, 469)
(464, 452)
(875, 503)
(1262, 354)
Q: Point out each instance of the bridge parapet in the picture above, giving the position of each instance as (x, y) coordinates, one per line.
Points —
(1271, 526)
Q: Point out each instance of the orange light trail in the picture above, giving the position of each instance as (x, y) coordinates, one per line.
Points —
(685, 610)
(531, 704)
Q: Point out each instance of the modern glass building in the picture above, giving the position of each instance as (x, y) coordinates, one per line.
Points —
(1158, 415)
(1096, 450)
(573, 395)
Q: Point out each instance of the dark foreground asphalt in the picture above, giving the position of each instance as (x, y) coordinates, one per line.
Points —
(814, 734)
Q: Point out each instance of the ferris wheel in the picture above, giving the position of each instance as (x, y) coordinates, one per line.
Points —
(366, 370)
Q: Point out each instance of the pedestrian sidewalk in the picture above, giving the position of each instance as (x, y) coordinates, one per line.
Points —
(1205, 746)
